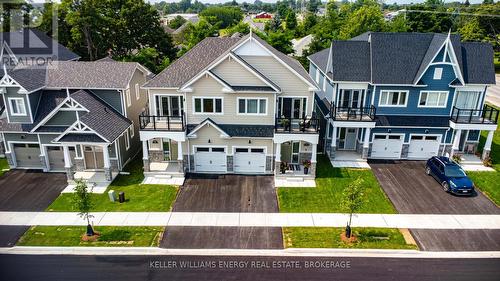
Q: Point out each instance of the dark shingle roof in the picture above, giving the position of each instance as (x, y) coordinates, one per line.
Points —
(412, 121)
(401, 58)
(81, 138)
(30, 78)
(320, 59)
(87, 75)
(240, 130)
(39, 43)
(252, 88)
(101, 117)
(192, 62)
(323, 105)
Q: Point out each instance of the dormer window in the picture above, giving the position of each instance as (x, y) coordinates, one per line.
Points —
(438, 73)
(17, 107)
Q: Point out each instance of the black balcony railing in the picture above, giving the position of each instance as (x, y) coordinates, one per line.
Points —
(162, 122)
(487, 115)
(343, 113)
(297, 125)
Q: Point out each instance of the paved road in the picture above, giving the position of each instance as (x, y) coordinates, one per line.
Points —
(493, 93)
(35, 267)
(413, 192)
(26, 190)
(225, 193)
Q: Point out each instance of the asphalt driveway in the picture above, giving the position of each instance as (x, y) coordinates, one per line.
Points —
(411, 191)
(225, 193)
(26, 191)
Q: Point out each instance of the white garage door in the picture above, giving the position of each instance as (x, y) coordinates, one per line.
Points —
(27, 155)
(387, 146)
(249, 160)
(423, 147)
(210, 159)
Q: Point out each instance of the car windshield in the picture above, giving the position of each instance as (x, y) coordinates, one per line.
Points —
(454, 172)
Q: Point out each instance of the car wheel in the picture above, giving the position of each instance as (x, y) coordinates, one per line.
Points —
(428, 171)
(446, 186)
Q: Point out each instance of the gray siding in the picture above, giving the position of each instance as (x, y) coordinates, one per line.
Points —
(34, 101)
(12, 92)
(62, 118)
(20, 137)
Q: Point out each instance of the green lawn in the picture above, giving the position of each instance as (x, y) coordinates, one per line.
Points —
(327, 196)
(488, 182)
(329, 237)
(111, 236)
(139, 198)
(3, 165)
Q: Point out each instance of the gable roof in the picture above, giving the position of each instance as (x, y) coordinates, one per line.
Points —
(320, 59)
(205, 53)
(235, 130)
(192, 62)
(401, 58)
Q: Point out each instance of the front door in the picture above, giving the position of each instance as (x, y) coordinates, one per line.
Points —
(463, 139)
(347, 139)
(94, 158)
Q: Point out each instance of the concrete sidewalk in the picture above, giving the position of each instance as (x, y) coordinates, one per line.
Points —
(254, 219)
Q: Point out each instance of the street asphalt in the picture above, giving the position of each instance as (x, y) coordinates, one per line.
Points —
(53, 267)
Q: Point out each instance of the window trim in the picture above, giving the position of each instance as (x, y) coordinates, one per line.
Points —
(399, 98)
(24, 112)
(438, 73)
(137, 92)
(246, 106)
(127, 139)
(202, 110)
(132, 130)
(317, 75)
(433, 106)
(128, 97)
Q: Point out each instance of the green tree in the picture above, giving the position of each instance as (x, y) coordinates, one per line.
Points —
(291, 20)
(177, 22)
(194, 33)
(398, 24)
(472, 31)
(280, 41)
(352, 199)
(366, 18)
(83, 203)
(223, 16)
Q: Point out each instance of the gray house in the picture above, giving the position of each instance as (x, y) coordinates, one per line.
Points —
(72, 116)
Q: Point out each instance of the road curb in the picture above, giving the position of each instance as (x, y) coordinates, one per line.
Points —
(298, 252)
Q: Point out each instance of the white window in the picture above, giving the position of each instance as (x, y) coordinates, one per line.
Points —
(438, 73)
(253, 106)
(208, 105)
(393, 98)
(433, 99)
(17, 107)
(317, 75)
(129, 100)
(127, 140)
(137, 92)
(132, 130)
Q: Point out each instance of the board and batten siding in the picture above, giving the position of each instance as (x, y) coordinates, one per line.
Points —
(111, 97)
(209, 87)
(235, 74)
(290, 84)
(12, 93)
(62, 118)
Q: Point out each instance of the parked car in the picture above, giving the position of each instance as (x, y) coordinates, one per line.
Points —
(450, 175)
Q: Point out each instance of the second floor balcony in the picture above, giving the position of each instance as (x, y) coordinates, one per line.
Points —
(487, 115)
(162, 122)
(345, 113)
(305, 125)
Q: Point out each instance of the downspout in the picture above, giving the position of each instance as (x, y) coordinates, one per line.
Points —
(445, 137)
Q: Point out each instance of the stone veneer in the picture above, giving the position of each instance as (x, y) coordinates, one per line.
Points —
(43, 161)
(10, 160)
(230, 163)
(79, 164)
(269, 163)
(404, 150)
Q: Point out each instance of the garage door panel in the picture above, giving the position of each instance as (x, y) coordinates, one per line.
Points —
(210, 160)
(27, 155)
(423, 147)
(249, 162)
(387, 147)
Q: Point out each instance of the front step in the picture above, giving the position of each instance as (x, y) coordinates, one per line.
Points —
(295, 179)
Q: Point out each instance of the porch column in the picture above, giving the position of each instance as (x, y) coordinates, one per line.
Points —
(456, 142)
(180, 157)
(366, 143)
(107, 163)
(487, 145)
(277, 158)
(68, 166)
(333, 145)
(145, 157)
(312, 169)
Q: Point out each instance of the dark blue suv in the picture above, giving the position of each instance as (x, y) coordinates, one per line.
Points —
(450, 175)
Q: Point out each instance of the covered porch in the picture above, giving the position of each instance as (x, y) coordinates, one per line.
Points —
(162, 153)
(295, 156)
(348, 142)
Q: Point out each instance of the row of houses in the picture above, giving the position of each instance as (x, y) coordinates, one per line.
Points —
(237, 105)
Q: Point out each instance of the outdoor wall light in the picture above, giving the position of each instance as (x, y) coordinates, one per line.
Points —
(209, 141)
(426, 131)
(249, 141)
(389, 130)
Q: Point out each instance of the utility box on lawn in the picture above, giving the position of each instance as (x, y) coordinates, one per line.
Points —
(112, 195)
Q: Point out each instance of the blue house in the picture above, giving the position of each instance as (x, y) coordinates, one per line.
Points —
(404, 95)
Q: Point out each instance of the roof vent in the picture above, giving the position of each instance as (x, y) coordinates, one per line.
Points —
(106, 109)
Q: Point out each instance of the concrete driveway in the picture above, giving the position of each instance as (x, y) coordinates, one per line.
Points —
(411, 191)
(26, 190)
(225, 193)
